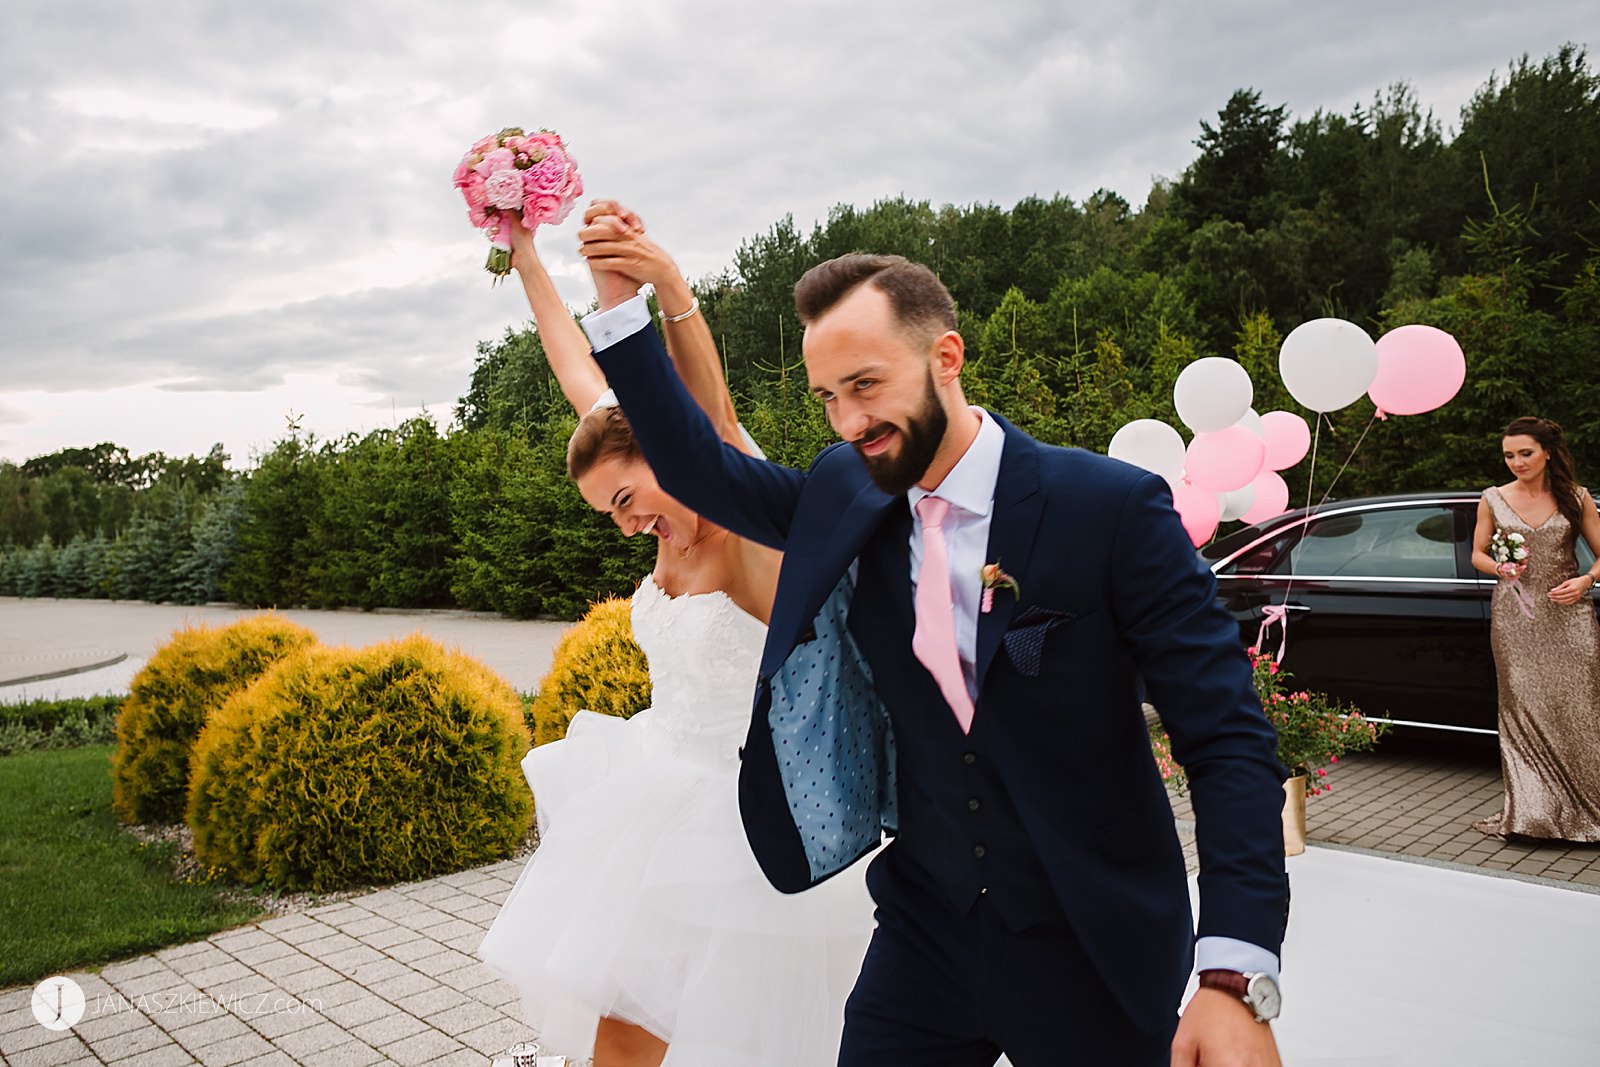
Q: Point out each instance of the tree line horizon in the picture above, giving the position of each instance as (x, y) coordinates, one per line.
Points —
(1078, 317)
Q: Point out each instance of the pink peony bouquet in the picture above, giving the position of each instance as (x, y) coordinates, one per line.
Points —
(513, 173)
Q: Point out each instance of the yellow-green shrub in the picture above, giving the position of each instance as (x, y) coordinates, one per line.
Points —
(182, 685)
(344, 767)
(597, 667)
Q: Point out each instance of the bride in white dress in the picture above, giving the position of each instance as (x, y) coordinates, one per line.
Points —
(642, 931)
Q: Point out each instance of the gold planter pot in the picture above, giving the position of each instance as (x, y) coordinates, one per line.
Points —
(1294, 815)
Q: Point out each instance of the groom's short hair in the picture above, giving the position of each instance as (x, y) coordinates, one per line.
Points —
(919, 299)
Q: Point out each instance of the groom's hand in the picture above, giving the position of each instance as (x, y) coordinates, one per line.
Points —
(613, 243)
(1218, 1030)
(597, 208)
(612, 287)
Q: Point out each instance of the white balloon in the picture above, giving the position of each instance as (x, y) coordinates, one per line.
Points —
(1252, 422)
(1151, 444)
(1328, 364)
(1236, 503)
(1213, 393)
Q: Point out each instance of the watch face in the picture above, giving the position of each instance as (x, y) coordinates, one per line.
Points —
(1262, 995)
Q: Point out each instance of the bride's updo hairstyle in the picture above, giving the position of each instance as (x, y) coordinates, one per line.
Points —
(1559, 469)
(602, 434)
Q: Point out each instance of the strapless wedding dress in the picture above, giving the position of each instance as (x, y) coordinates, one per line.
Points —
(643, 901)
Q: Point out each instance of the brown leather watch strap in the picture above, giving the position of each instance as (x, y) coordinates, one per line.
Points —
(1227, 981)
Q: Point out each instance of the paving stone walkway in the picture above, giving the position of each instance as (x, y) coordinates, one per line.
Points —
(385, 978)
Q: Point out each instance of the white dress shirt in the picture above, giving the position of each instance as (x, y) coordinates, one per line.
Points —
(969, 490)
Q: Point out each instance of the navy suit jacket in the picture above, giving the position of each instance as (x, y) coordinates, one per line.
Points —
(1111, 592)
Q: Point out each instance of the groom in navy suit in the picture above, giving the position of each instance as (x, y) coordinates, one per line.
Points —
(962, 622)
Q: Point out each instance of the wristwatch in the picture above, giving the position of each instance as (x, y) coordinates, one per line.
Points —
(1258, 991)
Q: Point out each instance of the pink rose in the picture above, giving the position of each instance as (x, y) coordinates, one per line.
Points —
(546, 138)
(474, 192)
(486, 144)
(463, 169)
(499, 159)
(575, 190)
(549, 175)
(542, 208)
(504, 188)
(479, 217)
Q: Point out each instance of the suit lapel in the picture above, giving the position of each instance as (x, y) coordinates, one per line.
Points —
(1018, 507)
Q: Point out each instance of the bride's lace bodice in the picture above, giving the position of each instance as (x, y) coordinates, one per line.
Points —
(704, 653)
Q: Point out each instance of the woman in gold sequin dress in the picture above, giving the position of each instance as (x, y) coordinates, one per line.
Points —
(1546, 644)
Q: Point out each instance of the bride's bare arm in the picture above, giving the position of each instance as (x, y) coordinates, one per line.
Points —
(565, 346)
(614, 240)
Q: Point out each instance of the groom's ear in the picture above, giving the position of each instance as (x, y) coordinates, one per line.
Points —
(948, 356)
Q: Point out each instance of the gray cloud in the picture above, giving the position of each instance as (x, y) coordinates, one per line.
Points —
(218, 196)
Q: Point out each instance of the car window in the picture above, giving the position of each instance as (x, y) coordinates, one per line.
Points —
(1408, 542)
(1269, 557)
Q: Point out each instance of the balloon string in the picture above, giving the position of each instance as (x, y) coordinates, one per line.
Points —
(1370, 423)
(1279, 613)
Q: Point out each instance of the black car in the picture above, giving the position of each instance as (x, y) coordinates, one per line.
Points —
(1383, 608)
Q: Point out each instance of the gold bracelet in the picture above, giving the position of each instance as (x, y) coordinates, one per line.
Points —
(694, 306)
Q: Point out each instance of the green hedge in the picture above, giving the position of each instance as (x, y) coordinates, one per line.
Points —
(36, 724)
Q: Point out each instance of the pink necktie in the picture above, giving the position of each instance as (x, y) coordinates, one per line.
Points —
(935, 639)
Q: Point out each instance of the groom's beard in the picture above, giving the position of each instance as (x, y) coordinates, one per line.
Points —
(920, 437)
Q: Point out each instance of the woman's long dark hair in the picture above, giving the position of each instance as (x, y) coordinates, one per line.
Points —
(1559, 472)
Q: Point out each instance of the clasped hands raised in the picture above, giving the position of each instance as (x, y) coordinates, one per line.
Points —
(621, 257)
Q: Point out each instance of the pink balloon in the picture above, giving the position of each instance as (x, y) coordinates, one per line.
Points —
(1199, 511)
(1225, 460)
(1419, 368)
(1288, 439)
(1272, 497)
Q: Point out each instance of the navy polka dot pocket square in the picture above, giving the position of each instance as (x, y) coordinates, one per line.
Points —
(1025, 640)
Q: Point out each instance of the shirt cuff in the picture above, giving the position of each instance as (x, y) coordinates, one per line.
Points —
(1231, 954)
(606, 328)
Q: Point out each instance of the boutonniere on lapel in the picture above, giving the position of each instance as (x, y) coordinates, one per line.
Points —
(995, 578)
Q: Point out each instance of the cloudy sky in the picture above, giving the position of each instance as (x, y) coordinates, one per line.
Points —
(214, 214)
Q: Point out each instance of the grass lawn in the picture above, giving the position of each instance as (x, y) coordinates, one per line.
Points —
(76, 891)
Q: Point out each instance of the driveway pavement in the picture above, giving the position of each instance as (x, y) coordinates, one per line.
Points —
(56, 637)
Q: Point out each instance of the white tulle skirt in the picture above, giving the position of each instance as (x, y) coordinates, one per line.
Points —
(643, 903)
